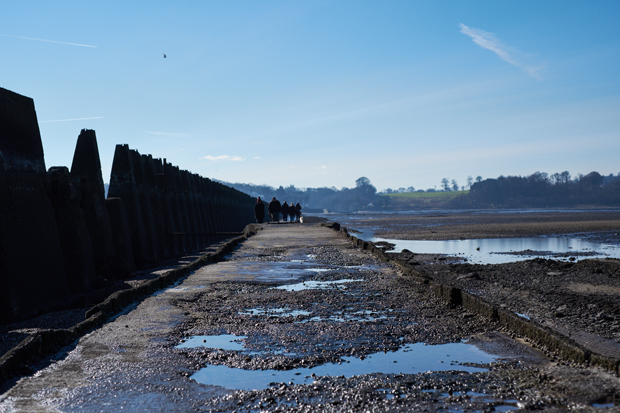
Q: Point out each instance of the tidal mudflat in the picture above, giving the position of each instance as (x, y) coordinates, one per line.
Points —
(571, 284)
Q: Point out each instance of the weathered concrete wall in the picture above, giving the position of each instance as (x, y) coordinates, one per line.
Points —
(32, 269)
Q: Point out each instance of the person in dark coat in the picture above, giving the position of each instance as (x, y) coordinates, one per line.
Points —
(259, 210)
(298, 211)
(274, 210)
(285, 211)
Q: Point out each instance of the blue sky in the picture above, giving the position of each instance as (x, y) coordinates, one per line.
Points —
(319, 93)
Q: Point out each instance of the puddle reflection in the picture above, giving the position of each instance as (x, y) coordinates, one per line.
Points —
(314, 285)
(411, 359)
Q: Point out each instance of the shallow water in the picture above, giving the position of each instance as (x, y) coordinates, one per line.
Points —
(410, 359)
(359, 316)
(504, 250)
(315, 285)
(277, 312)
(486, 251)
(221, 342)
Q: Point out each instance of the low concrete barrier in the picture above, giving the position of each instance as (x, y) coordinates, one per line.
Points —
(541, 336)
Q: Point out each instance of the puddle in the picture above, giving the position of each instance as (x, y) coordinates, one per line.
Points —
(220, 342)
(319, 269)
(504, 250)
(267, 272)
(315, 285)
(184, 289)
(410, 359)
(277, 312)
(604, 405)
(360, 316)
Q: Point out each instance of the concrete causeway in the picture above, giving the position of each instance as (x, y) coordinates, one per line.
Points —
(316, 323)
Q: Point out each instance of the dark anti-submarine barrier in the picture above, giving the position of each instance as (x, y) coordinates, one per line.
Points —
(60, 236)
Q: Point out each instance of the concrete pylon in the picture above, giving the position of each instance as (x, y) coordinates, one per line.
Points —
(123, 185)
(200, 210)
(173, 192)
(180, 195)
(173, 244)
(124, 262)
(32, 269)
(157, 207)
(145, 205)
(75, 239)
(191, 207)
(86, 170)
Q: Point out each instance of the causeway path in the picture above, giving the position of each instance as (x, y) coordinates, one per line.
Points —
(306, 322)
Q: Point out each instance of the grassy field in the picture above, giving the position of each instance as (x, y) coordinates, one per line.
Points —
(419, 200)
(422, 195)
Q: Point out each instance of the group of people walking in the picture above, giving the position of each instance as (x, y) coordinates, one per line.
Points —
(275, 208)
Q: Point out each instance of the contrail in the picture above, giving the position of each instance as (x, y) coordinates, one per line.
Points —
(49, 41)
(69, 120)
(488, 41)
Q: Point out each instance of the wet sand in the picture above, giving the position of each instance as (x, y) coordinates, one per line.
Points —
(604, 225)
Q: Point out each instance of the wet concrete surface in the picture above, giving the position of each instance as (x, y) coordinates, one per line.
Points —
(134, 362)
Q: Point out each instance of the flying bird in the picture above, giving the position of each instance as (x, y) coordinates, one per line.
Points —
(164, 55)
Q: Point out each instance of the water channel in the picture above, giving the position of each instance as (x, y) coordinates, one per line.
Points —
(504, 250)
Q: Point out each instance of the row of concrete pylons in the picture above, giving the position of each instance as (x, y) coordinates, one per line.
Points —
(60, 236)
(172, 211)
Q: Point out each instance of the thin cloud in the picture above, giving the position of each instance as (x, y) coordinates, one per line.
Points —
(223, 158)
(170, 134)
(49, 41)
(70, 120)
(488, 41)
(321, 170)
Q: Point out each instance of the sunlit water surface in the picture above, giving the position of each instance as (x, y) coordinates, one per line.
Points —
(486, 251)
(409, 359)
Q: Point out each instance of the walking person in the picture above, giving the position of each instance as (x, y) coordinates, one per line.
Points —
(259, 210)
(285, 211)
(298, 211)
(274, 210)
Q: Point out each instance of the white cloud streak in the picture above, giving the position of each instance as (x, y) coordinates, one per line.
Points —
(70, 120)
(488, 41)
(48, 41)
(223, 158)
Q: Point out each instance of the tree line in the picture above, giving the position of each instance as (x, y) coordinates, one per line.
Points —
(542, 190)
(362, 196)
(539, 190)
